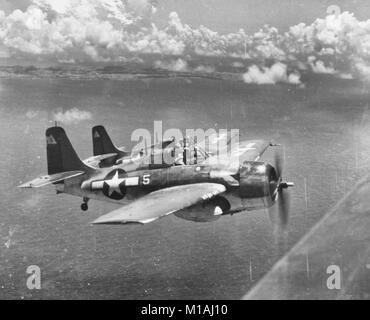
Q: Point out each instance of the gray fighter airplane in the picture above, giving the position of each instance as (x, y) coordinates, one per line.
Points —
(219, 185)
(106, 153)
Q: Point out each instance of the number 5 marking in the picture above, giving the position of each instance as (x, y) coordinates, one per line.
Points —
(146, 179)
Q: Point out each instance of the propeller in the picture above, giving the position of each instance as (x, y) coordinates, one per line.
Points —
(281, 195)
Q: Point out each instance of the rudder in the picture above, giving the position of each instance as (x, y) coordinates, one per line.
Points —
(102, 143)
(61, 156)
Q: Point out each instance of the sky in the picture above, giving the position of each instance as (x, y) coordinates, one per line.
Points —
(227, 16)
(301, 35)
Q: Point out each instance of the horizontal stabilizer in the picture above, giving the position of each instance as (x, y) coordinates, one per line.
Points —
(95, 160)
(49, 179)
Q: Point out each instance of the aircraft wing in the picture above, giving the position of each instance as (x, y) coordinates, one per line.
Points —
(162, 203)
(162, 145)
(212, 143)
(249, 150)
(49, 179)
(332, 261)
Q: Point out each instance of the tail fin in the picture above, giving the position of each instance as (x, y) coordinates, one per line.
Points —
(61, 156)
(102, 143)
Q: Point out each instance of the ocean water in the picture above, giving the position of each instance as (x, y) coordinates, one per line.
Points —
(325, 130)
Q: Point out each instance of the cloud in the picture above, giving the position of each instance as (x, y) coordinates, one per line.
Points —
(318, 66)
(276, 73)
(73, 29)
(238, 64)
(178, 65)
(363, 69)
(346, 76)
(204, 69)
(142, 7)
(107, 31)
(73, 115)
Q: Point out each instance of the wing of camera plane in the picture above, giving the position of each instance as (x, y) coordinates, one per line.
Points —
(332, 261)
(162, 203)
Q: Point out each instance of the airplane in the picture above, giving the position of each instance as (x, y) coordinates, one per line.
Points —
(106, 153)
(185, 151)
(222, 184)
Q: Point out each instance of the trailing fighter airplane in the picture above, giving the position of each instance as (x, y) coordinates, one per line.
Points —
(106, 154)
(219, 185)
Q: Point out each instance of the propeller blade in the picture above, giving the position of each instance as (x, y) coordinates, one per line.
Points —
(278, 164)
(281, 217)
(279, 213)
(283, 208)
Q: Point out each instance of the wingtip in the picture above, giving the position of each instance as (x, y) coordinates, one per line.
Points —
(103, 221)
(107, 221)
(112, 222)
(25, 185)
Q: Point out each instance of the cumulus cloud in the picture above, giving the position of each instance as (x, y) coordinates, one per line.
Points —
(318, 66)
(115, 30)
(142, 7)
(278, 72)
(204, 69)
(237, 64)
(346, 76)
(73, 115)
(178, 65)
(72, 29)
(363, 69)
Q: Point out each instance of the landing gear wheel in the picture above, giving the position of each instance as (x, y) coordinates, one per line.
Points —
(84, 205)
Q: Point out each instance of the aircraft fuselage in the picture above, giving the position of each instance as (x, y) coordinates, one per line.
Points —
(116, 185)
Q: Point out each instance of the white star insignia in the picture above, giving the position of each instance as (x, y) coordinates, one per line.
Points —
(114, 184)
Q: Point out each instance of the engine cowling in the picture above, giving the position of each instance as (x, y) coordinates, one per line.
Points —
(257, 184)
(206, 212)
